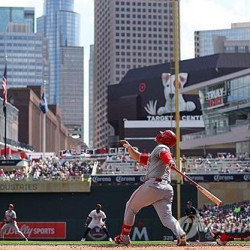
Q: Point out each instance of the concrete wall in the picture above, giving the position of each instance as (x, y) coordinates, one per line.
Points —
(228, 192)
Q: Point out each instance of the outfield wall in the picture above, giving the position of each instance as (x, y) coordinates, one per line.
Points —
(73, 209)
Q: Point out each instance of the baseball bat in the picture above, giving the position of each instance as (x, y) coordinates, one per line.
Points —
(203, 190)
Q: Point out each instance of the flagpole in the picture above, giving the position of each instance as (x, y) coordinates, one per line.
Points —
(5, 101)
(44, 134)
(5, 130)
(5, 108)
(44, 125)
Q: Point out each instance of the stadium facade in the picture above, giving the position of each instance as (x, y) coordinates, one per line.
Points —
(218, 87)
(12, 123)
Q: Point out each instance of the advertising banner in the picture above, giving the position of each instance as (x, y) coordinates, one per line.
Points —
(38, 230)
(138, 179)
(39, 186)
(220, 177)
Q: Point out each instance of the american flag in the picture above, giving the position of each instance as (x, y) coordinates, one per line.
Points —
(4, 84)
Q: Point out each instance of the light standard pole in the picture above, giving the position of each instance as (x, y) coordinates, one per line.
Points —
(177, 108)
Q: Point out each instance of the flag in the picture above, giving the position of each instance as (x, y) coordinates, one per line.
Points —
(43, 104)
(4, 84)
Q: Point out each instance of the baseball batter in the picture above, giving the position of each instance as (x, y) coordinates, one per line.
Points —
(156, 190)
(9, 221)
(97, 219)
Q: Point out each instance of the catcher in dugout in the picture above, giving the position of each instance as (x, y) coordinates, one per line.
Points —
(223, 237)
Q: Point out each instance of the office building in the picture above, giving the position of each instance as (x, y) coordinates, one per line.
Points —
(128, 34)
(91, 96)
(71, 90)
(27, 56)
(60, 25)
(234, 40)
(30, 120)
(16, 15)
(12, 123)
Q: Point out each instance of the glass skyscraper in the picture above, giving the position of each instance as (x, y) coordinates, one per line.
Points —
(27, 56)
(16, 15)
(234, 40)
(60, 25)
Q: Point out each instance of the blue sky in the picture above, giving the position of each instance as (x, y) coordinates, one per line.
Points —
(194, 15)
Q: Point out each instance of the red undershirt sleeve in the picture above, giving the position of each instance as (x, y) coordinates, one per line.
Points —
(165, 156)
(144, 159)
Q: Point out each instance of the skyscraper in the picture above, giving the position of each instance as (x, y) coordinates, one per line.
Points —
(16, 15)
(27, 56)
(71, 91)
(128, 34)
(234, 40)
(91, 96)
(60, 25)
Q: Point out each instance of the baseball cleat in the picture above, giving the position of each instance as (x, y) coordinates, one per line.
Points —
(83, 239)
(181, 241)
(122, 240)
(110, 239)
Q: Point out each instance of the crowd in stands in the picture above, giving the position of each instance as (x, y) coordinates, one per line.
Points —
(229, 218)
(50, 169)
(121, 163)
(224, 163)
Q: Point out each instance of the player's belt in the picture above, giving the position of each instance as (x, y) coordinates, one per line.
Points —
(156, 179)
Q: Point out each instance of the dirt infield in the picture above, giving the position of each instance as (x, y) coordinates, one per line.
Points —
(86, 247)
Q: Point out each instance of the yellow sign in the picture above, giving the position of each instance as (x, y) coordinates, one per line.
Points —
(53, 186)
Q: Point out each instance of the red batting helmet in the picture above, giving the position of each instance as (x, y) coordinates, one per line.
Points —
(167, 138)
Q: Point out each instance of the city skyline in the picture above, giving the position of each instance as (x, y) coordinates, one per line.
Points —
(224, 12)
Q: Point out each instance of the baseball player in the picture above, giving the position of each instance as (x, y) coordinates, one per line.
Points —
(97, 219)
(223, 237)
(9, 221)
(156, 190)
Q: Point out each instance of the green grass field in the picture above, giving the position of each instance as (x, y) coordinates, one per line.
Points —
(100, 243)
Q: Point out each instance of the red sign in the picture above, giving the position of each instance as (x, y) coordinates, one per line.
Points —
(39, 230)
(216, 102)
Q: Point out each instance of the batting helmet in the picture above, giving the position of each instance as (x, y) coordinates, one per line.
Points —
(167, 138)
(11, 205)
